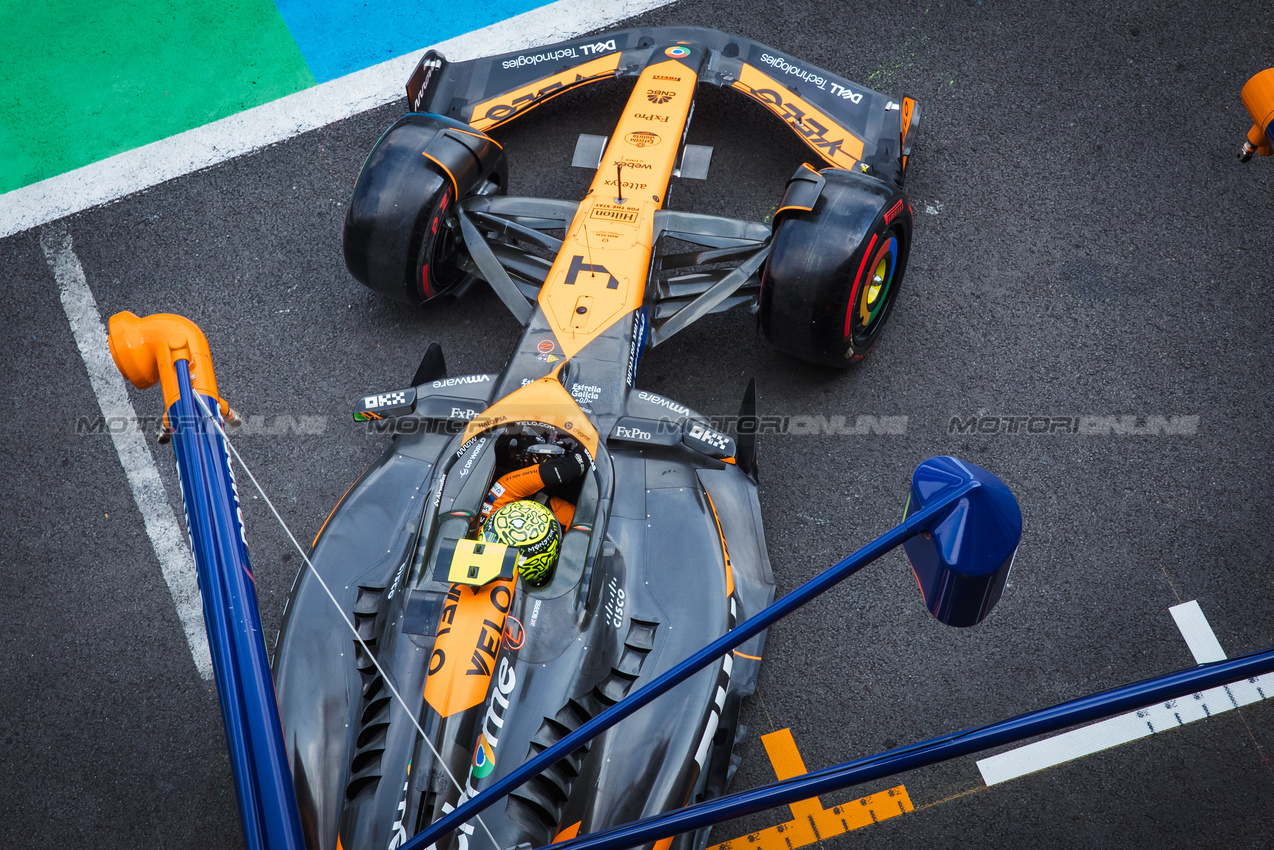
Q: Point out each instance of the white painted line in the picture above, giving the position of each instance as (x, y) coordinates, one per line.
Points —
(1151, 720)
(279, 120)
(1198, 634)
(166, 536)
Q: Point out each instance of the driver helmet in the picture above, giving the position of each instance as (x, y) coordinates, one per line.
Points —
(533, 529)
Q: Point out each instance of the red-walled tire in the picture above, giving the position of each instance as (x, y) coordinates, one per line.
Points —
(400, 237)
(834, 271)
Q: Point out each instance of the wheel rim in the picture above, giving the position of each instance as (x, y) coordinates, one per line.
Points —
(865, 312)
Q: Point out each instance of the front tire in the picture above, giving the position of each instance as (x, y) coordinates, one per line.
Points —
(835, 270)
(400, 237)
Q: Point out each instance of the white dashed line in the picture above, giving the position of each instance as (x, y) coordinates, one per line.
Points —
(166, 535)
(1159, 717)
(279, 120)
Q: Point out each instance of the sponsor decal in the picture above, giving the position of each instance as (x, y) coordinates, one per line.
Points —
(635, 163)
(468, 464)
(677, 52)
(483, 759)
(657, 96)
(398, 835)
(820, 82)
(681, 410)
(514, 634)
(614, 611)
(626, 184)
(642, 139)
(462, 413)
(651, 116)
(715, 439)
(664, 77)
(893, 212)
(579, 51)
(585, 393)
(812, 130)
(463, 379)
(578, 266)
(535, 611)
(639, 344)
(607, 212)
(631, 433)
(372, 402)
(544, 346)
(470, 630)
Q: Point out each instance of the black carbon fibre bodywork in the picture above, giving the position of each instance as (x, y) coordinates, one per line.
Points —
(665, 552)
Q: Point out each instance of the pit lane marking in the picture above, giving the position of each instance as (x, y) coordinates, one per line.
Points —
(236, 135)
(810, 821)
(166, 536)
(1114, 731)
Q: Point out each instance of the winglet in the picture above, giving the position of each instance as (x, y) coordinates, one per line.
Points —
(745, 445)
(146, 351)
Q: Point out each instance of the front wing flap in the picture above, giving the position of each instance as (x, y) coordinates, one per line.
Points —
(846, 124)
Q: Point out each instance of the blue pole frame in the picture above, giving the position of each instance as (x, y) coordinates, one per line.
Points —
(249, 710)
(918, 522)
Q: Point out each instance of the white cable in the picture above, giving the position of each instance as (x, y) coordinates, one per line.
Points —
(384, 676)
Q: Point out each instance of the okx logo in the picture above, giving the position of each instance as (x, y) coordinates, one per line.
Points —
(578, 265)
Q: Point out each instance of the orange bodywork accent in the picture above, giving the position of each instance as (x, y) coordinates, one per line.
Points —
(827, 138)
(600, 272)
(1258, 99)
(663, 843)
(503, 107)
(725, 550)
(467, 646)
(455, 187)
(745, 655)
(146, 351)
(567, 834)
(545, 400)
(908, 108)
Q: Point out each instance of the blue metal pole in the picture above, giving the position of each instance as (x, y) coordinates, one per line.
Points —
(916, 523)
(258, 757)
(1086, 709)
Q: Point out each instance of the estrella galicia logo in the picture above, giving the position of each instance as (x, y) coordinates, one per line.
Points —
(657, 96)
(578, 266)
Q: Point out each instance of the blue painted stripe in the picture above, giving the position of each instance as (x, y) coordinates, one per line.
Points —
(338, 37)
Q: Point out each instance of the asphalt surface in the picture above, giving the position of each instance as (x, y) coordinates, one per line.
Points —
(1086, 245)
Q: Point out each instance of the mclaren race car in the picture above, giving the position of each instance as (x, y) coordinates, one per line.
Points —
(541, 552)
(661, 549)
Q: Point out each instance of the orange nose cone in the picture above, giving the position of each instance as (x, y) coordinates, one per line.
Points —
(146, 351)
(1258, 98)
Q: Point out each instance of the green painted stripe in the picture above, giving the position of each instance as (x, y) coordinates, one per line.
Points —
(81, 80)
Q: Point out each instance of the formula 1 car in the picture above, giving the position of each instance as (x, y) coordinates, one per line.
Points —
(665, 551)
(425, 691)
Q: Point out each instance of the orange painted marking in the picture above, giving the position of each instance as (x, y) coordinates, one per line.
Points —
(663, 843)
(811, 822)
(468, 644)
(745, 655)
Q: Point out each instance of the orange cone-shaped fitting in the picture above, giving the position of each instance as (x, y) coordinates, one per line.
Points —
(146, 350)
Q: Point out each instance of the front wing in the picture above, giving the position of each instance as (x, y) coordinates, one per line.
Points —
(846, 124)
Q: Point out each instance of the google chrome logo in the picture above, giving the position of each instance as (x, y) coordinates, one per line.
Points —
(677, 52)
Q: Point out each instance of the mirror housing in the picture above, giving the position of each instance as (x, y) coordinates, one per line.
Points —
(962, 559)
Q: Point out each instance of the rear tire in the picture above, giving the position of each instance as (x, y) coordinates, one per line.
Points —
(400, 237)
(834, 271)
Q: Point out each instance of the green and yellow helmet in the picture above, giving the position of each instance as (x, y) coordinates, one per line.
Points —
(532, 528)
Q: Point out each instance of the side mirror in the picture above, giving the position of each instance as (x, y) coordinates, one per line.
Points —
(963, 559)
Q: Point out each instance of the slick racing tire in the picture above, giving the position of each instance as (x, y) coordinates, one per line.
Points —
(835, 268)
(401, 237)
